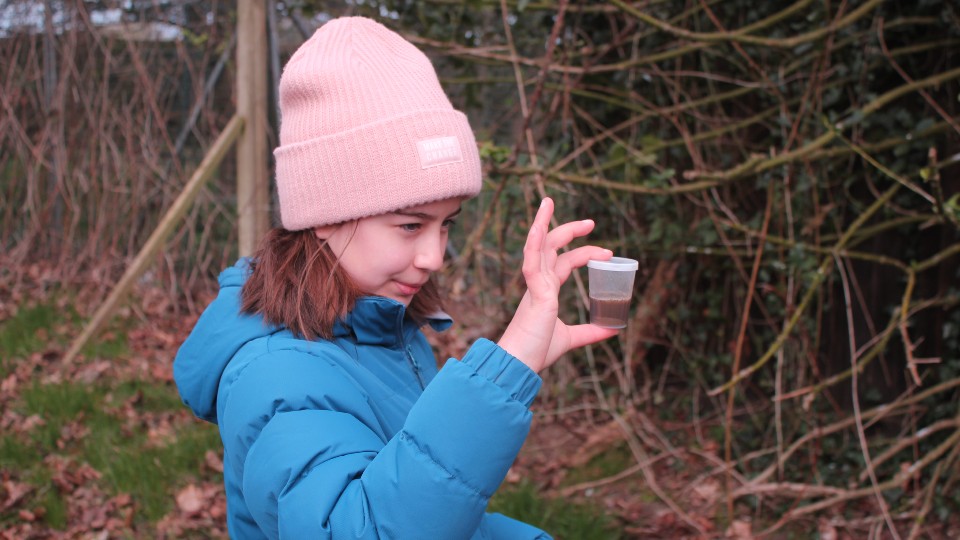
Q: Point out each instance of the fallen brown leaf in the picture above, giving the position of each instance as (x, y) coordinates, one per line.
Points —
(9, 386)
(191, 499)
(31, 422)
(14, 492)
(92, 371)
(160, 431)
(71, 432)
(213, 460)
(708, 491)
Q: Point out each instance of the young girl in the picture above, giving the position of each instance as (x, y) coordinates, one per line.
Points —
(334, 418)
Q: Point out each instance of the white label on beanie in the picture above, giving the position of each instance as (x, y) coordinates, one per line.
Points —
(439, 151)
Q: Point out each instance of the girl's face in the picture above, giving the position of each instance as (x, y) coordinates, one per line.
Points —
(393, 254)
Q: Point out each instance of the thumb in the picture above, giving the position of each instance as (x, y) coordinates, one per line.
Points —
(586, 334)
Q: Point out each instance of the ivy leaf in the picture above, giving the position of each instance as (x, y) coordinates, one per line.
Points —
(953, 203)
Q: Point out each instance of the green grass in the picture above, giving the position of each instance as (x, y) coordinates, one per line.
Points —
(15, 454)
(605, 464)
(23, 458)
(563, 519)
(115, 446)
(150, 474)
(56, 404)
(29, 331)
(19, 334)
(114, 347)
(153, 397)
(118, 449)
(49, 498)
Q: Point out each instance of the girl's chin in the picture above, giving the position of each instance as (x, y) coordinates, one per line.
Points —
(403, 299)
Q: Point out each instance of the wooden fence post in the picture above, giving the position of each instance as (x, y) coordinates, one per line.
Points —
(253, 193)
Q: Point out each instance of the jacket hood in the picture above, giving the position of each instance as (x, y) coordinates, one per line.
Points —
(219, 333)
(222, 330)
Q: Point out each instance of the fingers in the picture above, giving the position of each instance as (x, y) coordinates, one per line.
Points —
(540, 250)
(542, 222)
(564, 234)
(537, 258)
(533, 251)
(544, 213)
(585, 334)
(576, 258)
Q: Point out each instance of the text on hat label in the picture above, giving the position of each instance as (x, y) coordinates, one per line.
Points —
(439, 151)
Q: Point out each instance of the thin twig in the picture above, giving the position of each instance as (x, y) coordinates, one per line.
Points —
(818, 278)
(881, 411)
(759, 164)
(593, 484)
(926, 96)
(743, 35)
(931, 490)
(855, 398)
(741, 336)
(899, 444)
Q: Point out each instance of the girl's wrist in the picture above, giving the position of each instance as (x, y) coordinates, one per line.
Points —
(489, 360)
(519, 352)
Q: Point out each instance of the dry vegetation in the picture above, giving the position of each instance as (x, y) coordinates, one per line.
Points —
(787, 173)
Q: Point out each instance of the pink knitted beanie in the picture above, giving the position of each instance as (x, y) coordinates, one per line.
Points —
(366, 129)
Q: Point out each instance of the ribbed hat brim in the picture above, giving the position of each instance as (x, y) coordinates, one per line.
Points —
(374, 169)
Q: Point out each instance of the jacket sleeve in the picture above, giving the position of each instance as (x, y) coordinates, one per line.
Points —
(316, 470)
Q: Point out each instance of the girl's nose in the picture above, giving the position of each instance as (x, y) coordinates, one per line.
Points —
(430, 254)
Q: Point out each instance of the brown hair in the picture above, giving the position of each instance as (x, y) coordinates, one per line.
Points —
(296, 282)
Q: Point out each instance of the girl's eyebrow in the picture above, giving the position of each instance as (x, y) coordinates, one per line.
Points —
(424, 215)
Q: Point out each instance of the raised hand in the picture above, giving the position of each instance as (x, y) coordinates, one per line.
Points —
(535, 335)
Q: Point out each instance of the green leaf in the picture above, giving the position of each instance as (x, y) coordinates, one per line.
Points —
(648, 141)
(855, 118)
(953, 203)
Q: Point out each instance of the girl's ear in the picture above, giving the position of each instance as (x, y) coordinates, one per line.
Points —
(323, 232)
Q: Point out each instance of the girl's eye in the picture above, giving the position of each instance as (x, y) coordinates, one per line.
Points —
(449, 223)
(410, 227)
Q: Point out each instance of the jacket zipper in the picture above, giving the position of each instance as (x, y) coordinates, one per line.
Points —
(409, 352)
(414, 366)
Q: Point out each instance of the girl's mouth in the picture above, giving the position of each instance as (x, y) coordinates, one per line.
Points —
(407, 289)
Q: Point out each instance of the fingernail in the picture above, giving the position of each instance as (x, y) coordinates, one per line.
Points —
(587, 221)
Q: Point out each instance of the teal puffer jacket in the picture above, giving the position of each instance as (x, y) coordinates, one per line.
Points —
(358, 436)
